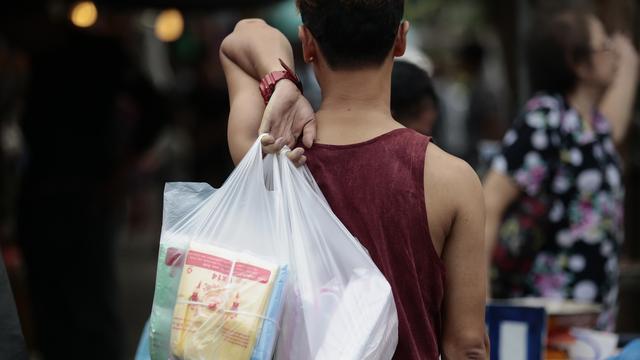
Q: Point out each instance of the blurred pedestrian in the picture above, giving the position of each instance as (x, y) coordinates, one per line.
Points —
(414, 102)
(554, 194)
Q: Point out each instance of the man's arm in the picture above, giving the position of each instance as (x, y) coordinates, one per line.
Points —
(617, 104)
(457, 191)
(250, 52)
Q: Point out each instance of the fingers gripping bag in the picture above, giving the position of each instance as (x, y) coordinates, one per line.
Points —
(262, 269)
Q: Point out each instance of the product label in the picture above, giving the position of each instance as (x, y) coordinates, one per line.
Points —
(221, 300)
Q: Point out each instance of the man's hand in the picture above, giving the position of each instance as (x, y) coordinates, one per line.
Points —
(288, 116)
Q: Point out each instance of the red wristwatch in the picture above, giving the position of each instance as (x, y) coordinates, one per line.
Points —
(269, 81)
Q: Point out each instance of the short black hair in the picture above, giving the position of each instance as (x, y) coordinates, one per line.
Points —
(410, 85)
(556, 43)
(353, 33)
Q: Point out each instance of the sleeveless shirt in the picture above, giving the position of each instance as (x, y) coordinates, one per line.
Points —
(376, 188)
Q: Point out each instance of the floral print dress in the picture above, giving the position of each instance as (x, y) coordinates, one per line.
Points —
(562, 237)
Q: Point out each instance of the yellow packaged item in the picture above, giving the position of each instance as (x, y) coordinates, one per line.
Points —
(221, 302)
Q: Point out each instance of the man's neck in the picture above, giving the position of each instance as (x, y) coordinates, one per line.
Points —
(355, 95)
(356, 105)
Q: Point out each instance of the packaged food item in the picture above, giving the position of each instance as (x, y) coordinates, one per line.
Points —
(167, 280)
(181, 202)
(221, 304)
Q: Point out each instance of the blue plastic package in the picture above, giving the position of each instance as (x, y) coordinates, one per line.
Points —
(269, 332)
(142, 352)
(630, 352)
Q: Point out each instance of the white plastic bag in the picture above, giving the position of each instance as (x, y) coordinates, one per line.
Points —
(273, 217)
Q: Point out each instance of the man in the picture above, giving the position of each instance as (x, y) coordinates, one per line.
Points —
(371, 169)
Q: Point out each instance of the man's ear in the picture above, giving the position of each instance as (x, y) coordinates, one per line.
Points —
(401, 39)
(309, 45)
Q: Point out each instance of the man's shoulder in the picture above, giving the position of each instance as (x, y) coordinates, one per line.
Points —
(448, 170)
(450, 181)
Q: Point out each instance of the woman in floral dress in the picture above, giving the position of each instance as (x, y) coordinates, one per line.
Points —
(554, 195)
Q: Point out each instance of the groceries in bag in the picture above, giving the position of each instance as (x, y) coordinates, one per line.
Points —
(262, 269)
(221, 304)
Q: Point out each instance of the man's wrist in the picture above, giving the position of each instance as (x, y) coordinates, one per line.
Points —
(271, 80)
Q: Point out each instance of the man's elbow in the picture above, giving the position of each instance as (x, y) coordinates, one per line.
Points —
(243, 29)
(249, 23)
(467, 347)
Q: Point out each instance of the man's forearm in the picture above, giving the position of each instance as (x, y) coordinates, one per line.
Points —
(256, 47)
(249, 53)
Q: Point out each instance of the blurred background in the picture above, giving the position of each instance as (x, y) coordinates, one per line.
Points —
(103, 102)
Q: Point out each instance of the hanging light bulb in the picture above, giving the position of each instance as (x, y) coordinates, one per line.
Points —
(84, 14)
(169, 25)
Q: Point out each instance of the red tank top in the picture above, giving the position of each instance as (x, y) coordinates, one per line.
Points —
(376, 188)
